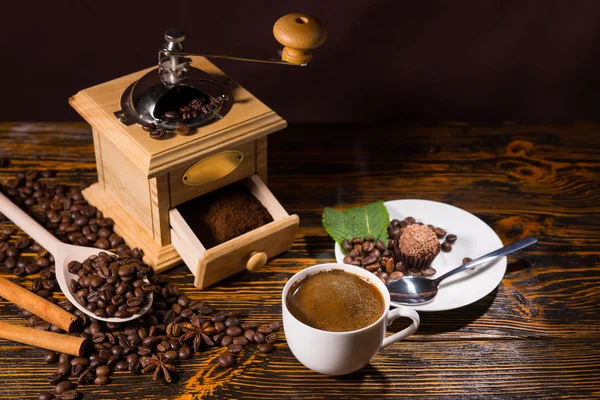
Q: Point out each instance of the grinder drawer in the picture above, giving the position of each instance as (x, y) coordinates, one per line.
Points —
(248, 251)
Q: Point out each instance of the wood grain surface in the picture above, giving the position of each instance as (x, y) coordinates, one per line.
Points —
(536, 336)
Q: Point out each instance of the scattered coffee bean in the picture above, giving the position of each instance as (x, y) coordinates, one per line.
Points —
(185, 352)
(451, 238)
(149, 127)
(266, 348)
(64, 386)
(51, 357)
(446, 247)
(182, 130)
(272, 338)
(466, 260)
(234, 348)
(226, 360)
(158, 133)
(101, 380)
(70, 395)
(46, 396)
(439, 232)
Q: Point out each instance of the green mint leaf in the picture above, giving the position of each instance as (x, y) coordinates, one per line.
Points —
(336, 224)
(370, 220)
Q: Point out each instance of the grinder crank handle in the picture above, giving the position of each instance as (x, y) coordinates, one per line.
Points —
(299, 33)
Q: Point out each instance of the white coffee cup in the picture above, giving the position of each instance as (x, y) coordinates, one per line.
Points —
(339, 353)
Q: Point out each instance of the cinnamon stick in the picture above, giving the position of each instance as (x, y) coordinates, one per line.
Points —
(61, 343)
(38, 305)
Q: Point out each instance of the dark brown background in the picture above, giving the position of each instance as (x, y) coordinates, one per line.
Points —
(384, 60)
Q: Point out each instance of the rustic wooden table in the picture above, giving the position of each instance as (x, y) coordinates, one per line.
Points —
(536, 336)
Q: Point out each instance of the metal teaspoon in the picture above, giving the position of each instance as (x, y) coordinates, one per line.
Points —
(413, 290)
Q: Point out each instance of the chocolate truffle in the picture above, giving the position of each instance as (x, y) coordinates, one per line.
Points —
(418, 246)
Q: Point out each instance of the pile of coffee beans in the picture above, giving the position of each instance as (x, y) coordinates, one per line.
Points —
(111, 286)
(184, 113)
(384, 259)
(375, 257)
(173, 330)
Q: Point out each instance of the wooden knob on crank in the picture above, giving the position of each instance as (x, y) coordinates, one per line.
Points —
(257, 261)
(299, 34)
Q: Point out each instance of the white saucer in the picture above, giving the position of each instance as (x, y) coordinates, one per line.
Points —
(475, 238)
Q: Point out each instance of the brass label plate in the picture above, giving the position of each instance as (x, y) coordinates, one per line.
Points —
(212, 168)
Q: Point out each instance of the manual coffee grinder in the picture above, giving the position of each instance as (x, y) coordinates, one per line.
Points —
(222, 139)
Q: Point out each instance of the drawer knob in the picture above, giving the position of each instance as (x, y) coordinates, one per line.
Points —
(257, 260)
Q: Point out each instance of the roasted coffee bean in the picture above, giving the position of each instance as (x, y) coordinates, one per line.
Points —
(234, 331)
(346, 245)
(451, 238)
(23, 242)
(249, 335)
(171, 355)
(226, 360)
(185, 352)
(275, 325)
(367, 246)
(63, 368)
(51, 357)
(171, 115)
(56, 378)
(446, 247)
(396, 275)
(151, 341)
(410, 220)
(163, 346)
(64, 386)
(272, 338)
(174, 344)
(65, 358)
(248, 325)
(466, 260)
(218, 317)
(158, 133)
(231, 321)
(70, 395)
(240, 340)
(112, 361)
(135, 368)
(369, 260)
(348, 260)
(77, 369)
(439, 232)
(356, 240)
(101, 380)
(235, 348)
(259, 338)
(265, 330)
(220, 327)
(226, 340)
(182, 130)
(122, 365)
(266, 348)
(144, 351)
(389, 266)
(149, 127)
(46, 396)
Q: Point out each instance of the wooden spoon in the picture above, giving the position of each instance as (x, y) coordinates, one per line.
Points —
(63, 254)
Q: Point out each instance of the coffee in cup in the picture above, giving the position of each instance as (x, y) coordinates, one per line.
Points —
(318, 313)
(335, 301)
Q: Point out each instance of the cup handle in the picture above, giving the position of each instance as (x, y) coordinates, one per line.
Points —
(401, 312)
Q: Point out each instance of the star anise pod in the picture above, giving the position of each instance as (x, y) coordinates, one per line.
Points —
(159, 366)
(199, 330)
